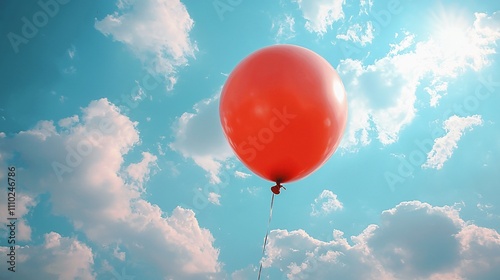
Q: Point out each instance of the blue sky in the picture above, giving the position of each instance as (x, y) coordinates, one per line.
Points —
(109, 112)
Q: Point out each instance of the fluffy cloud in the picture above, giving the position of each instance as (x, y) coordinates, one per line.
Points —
(245, 273)
(57, 258)
(325, 203)
(82, 168)
(443, 147)
(24, 203)
(414, 240)
(381, 99)
(68, 122)
(199, 136)
(301, 256)
(156, 30)
(382, 95)
(139, 172)
(320, 14)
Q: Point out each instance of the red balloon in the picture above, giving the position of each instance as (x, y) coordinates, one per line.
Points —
(283, 110)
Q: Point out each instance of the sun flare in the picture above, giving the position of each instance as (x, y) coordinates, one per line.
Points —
(450, 30)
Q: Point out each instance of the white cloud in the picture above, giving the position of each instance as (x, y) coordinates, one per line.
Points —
(240, 174)
(382, 95)
(414, 240)
(140, 94)
(436, 91)
(156, 30)
(443, 147)
(452, 50)
(320, 14)
(284, 27)
(91, 190)
(23, 205)
(381, 99)
(57, 258)
(248, 272)
(119, 255)
(301, 256)
(199, 136)
(365, 6)
(358, 34)
(214, 198)
(68, 122)
(407, 41)
(42, 130)
(139, 172)
(325, 203)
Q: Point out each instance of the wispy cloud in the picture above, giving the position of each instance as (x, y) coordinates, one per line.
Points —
(365, 6)
(443, 147)
(358, 33)
(214, 198)
(240, 174)
(284, 28)
(72, 51)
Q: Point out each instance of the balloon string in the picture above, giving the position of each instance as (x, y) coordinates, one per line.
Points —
(267, 234)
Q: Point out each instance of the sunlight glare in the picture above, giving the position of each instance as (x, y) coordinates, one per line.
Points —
(450, 31)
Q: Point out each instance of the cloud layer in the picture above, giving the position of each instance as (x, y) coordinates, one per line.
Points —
(57, 258)
(414, 240)
(81, 166)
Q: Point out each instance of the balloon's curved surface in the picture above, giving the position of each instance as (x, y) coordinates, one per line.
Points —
(283, 110)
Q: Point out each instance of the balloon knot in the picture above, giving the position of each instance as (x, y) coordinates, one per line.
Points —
(276, 188)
